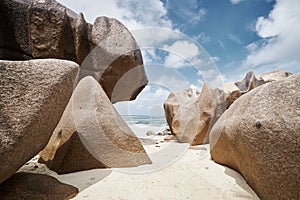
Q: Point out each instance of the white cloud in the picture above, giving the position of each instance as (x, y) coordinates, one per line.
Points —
(194, 86)
(187, 11)
(174, 61)
(213, 77)
(202, 38)
(215, 59)
(154, 95)
(235, 38)
(150, 56)
(198, 17)
(235, 2)
(221, 44)
(145, 13)
(150, 98)
(182, 53)
(172, 83)
(280, 43)
(155, 37)
(132, 13)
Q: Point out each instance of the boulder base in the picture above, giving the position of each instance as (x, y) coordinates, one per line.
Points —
(28, 186)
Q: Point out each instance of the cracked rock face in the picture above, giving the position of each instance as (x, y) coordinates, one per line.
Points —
(34, 95)
(107, 51)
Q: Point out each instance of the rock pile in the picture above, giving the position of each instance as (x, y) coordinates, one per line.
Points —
(191, 114)
(32, 29)
(256, 130)
(38, 104)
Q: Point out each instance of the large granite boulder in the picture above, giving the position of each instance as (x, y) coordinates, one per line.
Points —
(46, 29)
(259, 136)
(34, 95)
(14, 35)
(116, 62)
(182, 114)
(37, 29)
(91, 135)
(51, 30)
(28, 186)
(191, 114)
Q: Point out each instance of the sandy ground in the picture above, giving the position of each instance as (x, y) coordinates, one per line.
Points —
(177, 172)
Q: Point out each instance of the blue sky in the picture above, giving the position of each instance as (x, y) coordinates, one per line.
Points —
(238, 35)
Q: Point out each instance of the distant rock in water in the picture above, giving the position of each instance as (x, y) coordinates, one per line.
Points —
(259, 136)
(91, 134)
(28, 186)
(34, 95)
(31, 29)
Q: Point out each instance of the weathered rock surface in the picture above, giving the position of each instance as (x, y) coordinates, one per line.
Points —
(42, 29)
(50, 30)
(91, 134)
(14, 35)
(46, 29)
(259, 136)
(28, 186)
(117, 60)
(249, 82)
(233, 91)
(34, 95)
(190, 114)
(182, 114)
(273, 76)
(36, 29)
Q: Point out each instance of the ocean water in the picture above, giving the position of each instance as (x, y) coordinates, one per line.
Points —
(144, 120)
(162, 154)
(141, 124)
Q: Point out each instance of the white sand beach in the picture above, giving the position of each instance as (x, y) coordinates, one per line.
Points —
(177, 172)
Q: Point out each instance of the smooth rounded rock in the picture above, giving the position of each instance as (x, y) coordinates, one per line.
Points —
(259, 136)
(34, 95)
